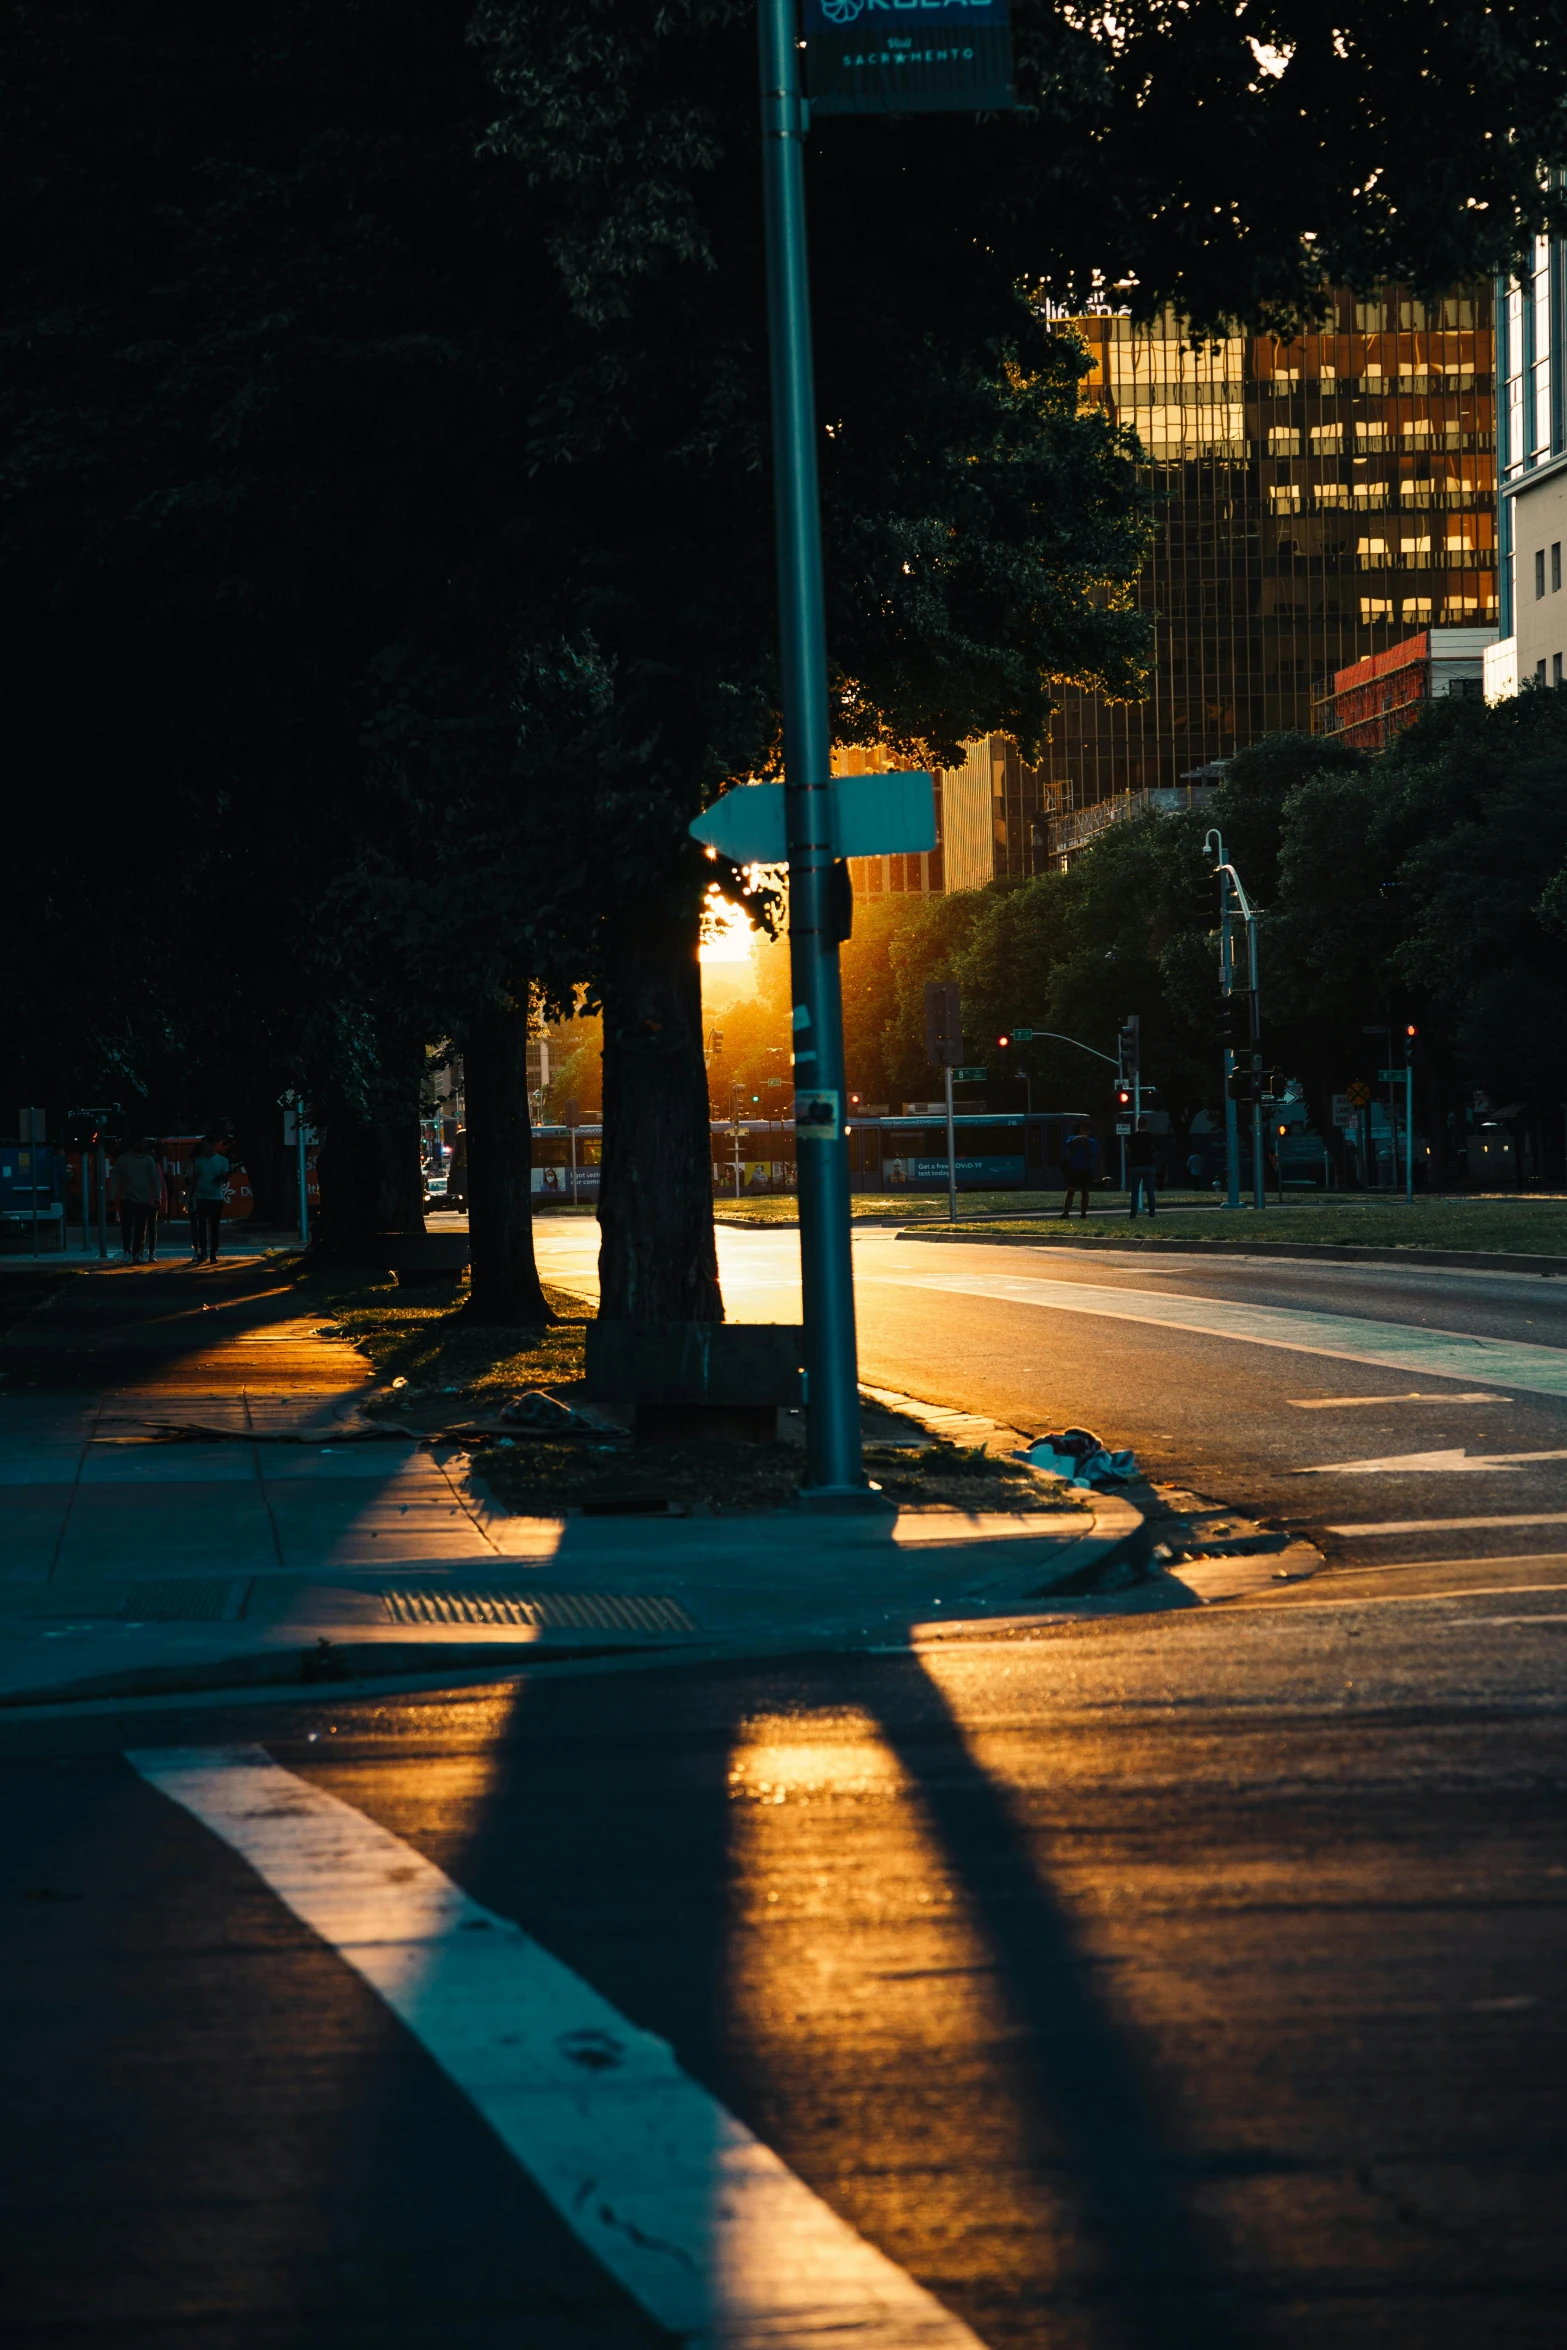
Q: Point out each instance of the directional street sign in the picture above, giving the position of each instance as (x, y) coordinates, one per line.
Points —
(875, 816)
(1392, 1076)
(1022, 1036)
(975, 1076)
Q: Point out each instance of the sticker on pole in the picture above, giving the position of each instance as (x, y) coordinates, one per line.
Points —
(909, 56)
(818, 1116)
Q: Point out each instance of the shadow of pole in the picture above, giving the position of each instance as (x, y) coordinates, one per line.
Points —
(1083, 2099)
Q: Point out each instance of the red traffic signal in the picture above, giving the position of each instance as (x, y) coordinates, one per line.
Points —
(1123, 1096)
(1003, 1041)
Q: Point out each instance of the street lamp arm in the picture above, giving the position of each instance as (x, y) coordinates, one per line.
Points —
(1235, 882)
(1055, 1037)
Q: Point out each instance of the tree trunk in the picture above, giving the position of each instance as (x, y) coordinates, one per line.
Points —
(372, 1184)
(657, 1259)
(502, 1272)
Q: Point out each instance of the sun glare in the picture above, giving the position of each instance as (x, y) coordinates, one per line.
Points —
(726, 934)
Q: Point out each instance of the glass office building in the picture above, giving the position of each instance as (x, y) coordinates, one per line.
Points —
(1316, 501)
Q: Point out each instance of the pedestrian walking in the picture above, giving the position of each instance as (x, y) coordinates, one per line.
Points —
(141, 1196)
(208, 1190)
(1082, 1159)
(1194, 1169)
(1141, 1158)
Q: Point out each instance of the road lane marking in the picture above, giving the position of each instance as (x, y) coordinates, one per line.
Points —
(1453, 1463)
(1282, 1606)
(1539, 1619)
(702, 2224)
(1453, 1525)
(1534, 1559)
(1393, 1346)
(1343, 1403)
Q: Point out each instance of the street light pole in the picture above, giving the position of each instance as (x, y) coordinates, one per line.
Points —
(1232, 1145)
(952, 1155)
(1259, 1165)
(832, 1394)
(1230, 880)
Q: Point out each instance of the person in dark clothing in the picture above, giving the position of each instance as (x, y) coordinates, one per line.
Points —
(1082, 1161)
(208, 1190)
(141, 1193)
(1140, 1167)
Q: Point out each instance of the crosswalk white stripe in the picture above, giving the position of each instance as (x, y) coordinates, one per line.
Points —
(702, 2224)
(1397, 1346)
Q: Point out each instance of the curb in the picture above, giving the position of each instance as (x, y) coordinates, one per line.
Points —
(325, 1667)
(1118, 1539)
(1345, 1253)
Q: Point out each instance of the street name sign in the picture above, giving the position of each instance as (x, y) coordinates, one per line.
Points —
(874, 816)
(975, 1076)
(909, 56)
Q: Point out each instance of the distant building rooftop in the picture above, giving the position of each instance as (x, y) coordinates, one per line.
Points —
(1375, 699)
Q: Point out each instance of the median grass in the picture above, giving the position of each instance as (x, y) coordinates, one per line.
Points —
(1512, 1224)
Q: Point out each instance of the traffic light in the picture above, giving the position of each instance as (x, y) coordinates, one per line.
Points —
(1255, 1085)
(1003, 1041)
(1130, 1045)
(1236, 1023)
(1411, 1042)
(1123, 1097)
(943, 1024)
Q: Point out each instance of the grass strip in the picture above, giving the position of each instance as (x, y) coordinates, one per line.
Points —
(1529, 1227)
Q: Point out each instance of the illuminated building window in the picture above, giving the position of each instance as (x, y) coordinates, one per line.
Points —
(1254, 584)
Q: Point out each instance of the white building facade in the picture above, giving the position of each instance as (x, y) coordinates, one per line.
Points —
(1531, 433)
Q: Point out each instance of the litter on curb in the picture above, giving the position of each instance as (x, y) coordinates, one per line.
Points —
(1078, 1456)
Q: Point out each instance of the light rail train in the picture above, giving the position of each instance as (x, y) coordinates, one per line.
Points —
(995, 1152)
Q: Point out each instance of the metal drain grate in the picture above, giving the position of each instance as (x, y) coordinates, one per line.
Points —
(566, 1611)
(188, 1599)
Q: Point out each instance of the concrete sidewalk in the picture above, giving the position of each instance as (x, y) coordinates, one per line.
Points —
(191, 1498)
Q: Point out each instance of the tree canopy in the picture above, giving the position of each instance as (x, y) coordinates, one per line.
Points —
(385, 537)
(1425, 885)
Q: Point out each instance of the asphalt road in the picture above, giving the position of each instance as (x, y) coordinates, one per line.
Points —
(1409, 1420)
(1189, 1979)
(1193, 1980)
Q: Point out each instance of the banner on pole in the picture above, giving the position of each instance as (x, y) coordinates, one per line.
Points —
(909, 56)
